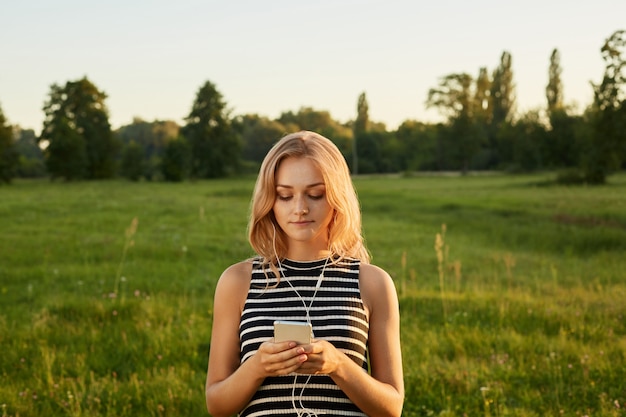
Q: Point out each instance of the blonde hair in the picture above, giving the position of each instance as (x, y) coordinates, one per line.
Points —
(344, 231)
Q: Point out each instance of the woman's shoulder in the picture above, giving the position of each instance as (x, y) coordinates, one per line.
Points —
(237, 275)
(373, 273)
(376, 284)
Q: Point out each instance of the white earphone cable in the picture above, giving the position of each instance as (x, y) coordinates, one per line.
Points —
(302, 411)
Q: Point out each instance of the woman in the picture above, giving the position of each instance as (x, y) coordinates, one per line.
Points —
(312, 267)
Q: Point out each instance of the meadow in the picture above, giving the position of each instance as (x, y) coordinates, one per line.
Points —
(512, 292)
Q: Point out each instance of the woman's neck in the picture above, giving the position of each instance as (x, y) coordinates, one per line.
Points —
(307, 252)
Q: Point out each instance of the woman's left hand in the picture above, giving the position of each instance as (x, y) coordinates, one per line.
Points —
(322, 358)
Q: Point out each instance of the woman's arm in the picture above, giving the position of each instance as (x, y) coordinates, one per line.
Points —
(229, 384)
(380, 393)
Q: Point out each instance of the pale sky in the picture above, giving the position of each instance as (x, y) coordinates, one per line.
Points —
(268, 57)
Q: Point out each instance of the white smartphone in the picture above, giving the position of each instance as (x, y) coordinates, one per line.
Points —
(293, 331)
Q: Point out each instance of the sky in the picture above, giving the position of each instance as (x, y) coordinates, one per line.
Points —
(269, 57)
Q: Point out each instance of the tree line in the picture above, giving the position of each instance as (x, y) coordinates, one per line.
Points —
(482, 131)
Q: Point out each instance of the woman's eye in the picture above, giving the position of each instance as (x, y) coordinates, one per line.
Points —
(316, 197)
(284, 197)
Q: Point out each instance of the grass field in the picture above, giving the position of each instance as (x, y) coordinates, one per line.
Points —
(512, 293)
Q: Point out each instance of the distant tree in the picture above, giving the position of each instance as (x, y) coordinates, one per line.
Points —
(258, 134)
(503, 91)
(66, 153)
(419, 142)
(456, 98)
(482, 96)
(175, 165)
(132, 166)
(482, 115)
(560, 148)
(31, 161)
(608, 143)
(8, 153)
(361, 126)
(502, 96)
(79, 108)
(215, 149)
(308, 118)
(524, 138)
(321, 122)
(370, 152)
(554, 89)
(445, 157)
(453, 96)
(152, 138)
(469, 132)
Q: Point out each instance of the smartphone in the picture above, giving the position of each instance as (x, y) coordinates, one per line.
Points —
(293, 331)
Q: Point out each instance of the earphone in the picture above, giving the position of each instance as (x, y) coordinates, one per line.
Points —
(302, 411)
(317, 286)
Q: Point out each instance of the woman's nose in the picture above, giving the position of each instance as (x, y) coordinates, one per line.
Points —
(301, 206)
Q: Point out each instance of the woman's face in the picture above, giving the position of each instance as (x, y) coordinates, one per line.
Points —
(301, 207)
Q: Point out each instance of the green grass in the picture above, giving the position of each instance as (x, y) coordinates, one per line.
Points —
(524, 315)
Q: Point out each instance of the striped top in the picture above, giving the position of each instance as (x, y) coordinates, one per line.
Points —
(337, 315)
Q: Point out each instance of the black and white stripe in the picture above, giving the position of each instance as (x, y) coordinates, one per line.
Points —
(337, 315)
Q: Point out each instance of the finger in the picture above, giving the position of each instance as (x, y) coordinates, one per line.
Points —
(273, 362)
(313, 348)
(271, 347)
(291, 365)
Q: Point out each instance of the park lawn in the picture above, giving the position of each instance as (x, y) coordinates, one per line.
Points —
(106, 292)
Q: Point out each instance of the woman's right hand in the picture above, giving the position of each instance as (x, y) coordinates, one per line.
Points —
(281, 358)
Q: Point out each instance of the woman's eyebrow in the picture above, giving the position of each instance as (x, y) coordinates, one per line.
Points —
(317, 184)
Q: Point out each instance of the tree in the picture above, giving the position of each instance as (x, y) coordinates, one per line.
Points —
(319, 121)
(31, 161)
(419, 142)
(608, 144)
(554, 89)
(307, 118)
(66, 152)
(502, 95)
(175, 164)
(152, 138)
(215, 149)
(503, 91)
(482, 115)
(455, 98)
(8, 153)
(322, 122)
(361, 126)
(78, 109)
(560, 148)
(523, 143)
(482, 96)
(258, 134)
(370, 152)
(132, 166)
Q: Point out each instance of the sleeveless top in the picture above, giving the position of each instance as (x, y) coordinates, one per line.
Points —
(338, 316)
